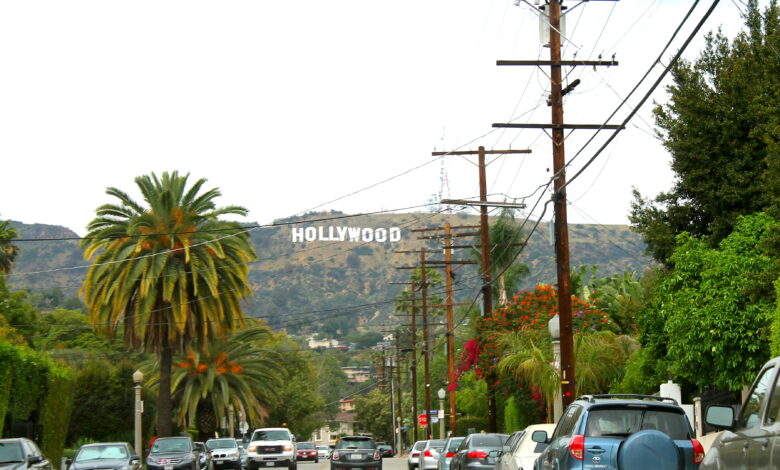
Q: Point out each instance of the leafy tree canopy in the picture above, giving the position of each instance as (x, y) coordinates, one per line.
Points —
(720, 126)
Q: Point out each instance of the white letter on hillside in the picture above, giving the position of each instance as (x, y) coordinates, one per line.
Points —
(354, 234)
(311, 234)
(297, 234)
(395, 234)
(381, 235)
(342, 231)
(368, 235)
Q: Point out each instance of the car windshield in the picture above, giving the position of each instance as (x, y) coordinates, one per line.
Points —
(102, 452)
(221, 444)
(171, 445)
(487, 440)
(420, 445)
(355, 443)
(621, 422)
(10, 452)
(271, 436)
(323, 447)
(453, 444)
(436, 444)
(306, 445)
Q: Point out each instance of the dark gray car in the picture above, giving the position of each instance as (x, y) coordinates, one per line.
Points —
(356, 453)
(21, 454)
(173, 453)
(474, 453)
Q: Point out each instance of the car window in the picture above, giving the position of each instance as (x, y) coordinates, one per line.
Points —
(11, 452)
(101, 452)
(568, 421)
(306, 445)
(749, 417)
(773, 409)
(420, 445)
(453, 444)
(436, 443)
(622, 421)
(486, 440)
(518, 437)
(353, 443)
(221, 444)
(271, 435)
(171, 445)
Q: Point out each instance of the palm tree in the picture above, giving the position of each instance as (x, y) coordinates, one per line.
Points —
(166, 275)
(8, 251)
(599, 357)
(232, 372)
(506, 237)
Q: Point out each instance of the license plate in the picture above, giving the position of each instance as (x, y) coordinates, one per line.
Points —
(356, 457)
(267, 464)
(168, 467)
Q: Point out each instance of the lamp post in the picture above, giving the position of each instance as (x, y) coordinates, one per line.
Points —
(554, 325)
(441, 394)
(138, 377)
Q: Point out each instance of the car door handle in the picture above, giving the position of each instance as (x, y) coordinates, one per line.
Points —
(596, 450)
(764, 443)
(745, 446)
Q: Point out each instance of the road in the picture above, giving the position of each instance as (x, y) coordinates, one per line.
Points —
(324, 464)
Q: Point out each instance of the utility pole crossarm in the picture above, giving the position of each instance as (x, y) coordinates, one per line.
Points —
(476, 152)
(561, 126)
(467, 202)
(568, 63)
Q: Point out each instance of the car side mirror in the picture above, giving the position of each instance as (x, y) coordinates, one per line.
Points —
(495, 453)
(135, 459)
(720, 416)
(540, 437)
(68, 462)
(33, 459)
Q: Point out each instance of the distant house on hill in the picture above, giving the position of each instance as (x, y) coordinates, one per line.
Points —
(357, 375)
(314, 343)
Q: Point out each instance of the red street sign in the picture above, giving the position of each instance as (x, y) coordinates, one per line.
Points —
(423, 420)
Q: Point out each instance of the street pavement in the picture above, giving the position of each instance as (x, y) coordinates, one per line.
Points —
(391, 463)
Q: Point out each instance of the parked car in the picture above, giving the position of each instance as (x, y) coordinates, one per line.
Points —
(272, 447)
(243, 457)
(173, 453)
(450, 447)
(520, 451)
(429, 457)
(204, 454)
(109, 455)
(224, 453)
(307, 451)
(620, 432)
(474, 451)
(20, 453)
(356, 452)
(323, 452)
(385, 450)
(412, 461)
(752, 439)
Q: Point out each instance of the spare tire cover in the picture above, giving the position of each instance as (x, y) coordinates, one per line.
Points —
(648, 449)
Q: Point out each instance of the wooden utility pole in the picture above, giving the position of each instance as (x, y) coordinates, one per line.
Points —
(400, 413)
(426, 349)
(568, 385)
(487, 287)
(450, 327)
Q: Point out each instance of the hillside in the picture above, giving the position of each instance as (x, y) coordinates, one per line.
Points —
(310, 277)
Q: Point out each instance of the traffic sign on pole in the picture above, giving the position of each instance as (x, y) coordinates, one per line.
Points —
(422, 420)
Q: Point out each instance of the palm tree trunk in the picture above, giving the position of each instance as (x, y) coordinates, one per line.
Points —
(164, 392)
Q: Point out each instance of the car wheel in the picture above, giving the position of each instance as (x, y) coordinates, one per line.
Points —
(649, 445)
(317, 460)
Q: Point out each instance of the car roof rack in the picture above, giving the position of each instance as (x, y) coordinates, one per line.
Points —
(592, 398)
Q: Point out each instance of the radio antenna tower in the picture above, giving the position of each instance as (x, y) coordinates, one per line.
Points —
(444, 188)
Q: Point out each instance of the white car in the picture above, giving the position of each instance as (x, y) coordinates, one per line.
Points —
(414, 454)
(520, 451)
(271, 447)
(429, 457)
(323, 452)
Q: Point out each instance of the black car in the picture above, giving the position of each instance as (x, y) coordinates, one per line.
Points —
(108, 455)
(224, 453)
(385, 450)
(173, 453)
(21, 453)
(356, 452)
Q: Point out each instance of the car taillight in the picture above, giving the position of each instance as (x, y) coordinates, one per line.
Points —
(335, 455)
(577, 447)
(450, 454)
(698, 451)
(377, 455)
(427, 453)
(476, 454)
(415, 454)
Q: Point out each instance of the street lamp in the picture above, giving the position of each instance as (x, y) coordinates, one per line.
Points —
(441, 394)
(554, 325)
(138, 377)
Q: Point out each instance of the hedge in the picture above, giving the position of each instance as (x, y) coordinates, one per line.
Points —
(38, 383)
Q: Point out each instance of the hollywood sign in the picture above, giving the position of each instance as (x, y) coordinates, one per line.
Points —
(346, 234)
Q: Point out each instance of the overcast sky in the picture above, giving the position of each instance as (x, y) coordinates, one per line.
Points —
(286, 105)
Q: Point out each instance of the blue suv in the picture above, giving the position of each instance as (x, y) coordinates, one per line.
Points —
(620, 432)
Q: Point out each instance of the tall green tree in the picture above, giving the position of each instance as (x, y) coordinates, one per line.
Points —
(166, 274)
(8, 251)
(506, 237)
(721, 126)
